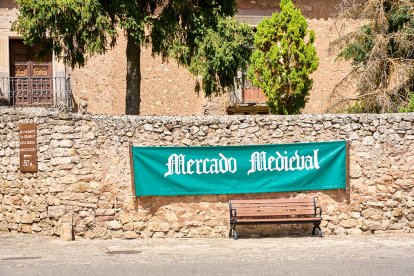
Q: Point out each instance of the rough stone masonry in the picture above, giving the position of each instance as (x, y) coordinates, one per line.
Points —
(84, 174)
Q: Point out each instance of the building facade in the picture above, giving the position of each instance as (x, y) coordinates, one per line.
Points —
(166, 88)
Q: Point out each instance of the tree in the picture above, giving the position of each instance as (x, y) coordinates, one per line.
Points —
(76, 29)
(382, 55)
(283, 59)
(221, 54)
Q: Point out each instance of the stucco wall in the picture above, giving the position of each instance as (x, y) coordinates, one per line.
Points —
(168, 89)
(84, 174)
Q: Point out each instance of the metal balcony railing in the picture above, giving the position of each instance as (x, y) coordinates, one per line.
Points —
(37, 92)
(245, 92)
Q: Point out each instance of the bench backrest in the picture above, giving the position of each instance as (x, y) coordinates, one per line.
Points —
(274, 207)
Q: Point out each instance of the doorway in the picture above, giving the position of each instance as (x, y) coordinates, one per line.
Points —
(31, 75)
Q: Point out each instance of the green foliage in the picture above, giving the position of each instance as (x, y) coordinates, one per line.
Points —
(283, 60)
(409, 107)
(213, 47)
(221, 53)
(187, 30)
(72, 29)
(382, 54)
(357, 51)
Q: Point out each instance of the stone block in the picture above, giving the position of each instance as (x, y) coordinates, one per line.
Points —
(128, 227)
(56, 211)
(130, 235)
(124, 217)
(114, 225)
(117, 234)
(372, 214)
(60, 161)
(148, 127)
(66, 143)
(105, 212)
(28, 218)
(26, 228)
(349, 223)
(62, 152)
(396, 226)
(355, 214)
(354, 231)
(3, 226)
(170, 216)
(90, 135)
(397, 212)
(370, 225)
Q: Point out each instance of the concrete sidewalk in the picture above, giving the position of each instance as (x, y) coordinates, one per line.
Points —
(332, 255)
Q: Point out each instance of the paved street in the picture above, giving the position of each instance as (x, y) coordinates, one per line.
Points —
(332, 255)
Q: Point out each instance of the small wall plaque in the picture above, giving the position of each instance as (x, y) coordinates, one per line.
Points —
(28, 147)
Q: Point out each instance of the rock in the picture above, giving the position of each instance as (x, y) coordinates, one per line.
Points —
(139, 226)
(194, 130)
(56, 211)
(372, 214)
(66, 233)
(148, 127)
(369, 225)
(369, 140)
(3, 227)
(28, 218)
(61, 160)
(397, 212)
(355, 215)
(90, 135)
(349, 223)
(114, 225)
(25, 228)
(354, 231)
(130, 235)
(170, 216)
(66, 143)
(396, 226)
(124, 217)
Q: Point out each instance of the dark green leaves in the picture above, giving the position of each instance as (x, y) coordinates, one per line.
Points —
(382, 55)
(221, 54)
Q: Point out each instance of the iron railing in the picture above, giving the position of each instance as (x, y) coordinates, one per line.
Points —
(245, 93)
(37, 92)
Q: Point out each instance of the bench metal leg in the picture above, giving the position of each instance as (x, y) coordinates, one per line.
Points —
(317, 226)
(233, 231)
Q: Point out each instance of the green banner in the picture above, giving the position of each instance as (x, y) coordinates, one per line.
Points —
(167, 171)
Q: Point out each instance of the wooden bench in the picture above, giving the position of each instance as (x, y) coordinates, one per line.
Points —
(274, 211)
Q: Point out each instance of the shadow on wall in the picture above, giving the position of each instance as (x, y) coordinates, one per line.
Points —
(154, 203)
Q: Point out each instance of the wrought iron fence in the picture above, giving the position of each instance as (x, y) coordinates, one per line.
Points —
(37, 91)
(245, 92)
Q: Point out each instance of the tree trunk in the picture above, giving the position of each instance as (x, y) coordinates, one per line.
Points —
(133, 77)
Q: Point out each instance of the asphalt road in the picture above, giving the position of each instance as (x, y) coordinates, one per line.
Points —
(331, 255)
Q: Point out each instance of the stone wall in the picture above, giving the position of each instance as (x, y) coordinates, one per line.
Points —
(84, 174)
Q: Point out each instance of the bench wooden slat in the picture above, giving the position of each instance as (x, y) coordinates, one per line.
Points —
(278, 211)
(263, 201)
(272, 205)
(278, 220)
(272, 213)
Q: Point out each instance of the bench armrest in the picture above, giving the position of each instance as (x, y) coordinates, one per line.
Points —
(320, 212)
(233, 213)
